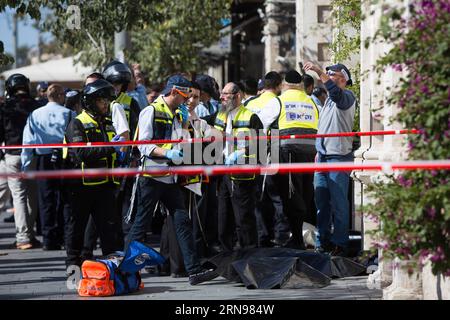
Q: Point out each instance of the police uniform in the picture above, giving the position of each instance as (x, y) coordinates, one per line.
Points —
(124, 115)
(91, 195)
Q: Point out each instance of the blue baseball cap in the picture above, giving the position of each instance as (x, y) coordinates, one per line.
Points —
(179, 82)
(341, 68)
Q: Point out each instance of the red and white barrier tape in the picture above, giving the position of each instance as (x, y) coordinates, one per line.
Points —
(282, 168)
(196, 140)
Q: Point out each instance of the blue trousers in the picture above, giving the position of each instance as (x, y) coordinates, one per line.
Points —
(331, 197)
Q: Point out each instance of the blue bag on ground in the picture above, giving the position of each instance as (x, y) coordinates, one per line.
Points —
(139, 256)
(119, 274)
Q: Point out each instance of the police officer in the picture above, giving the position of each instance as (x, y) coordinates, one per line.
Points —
(46, 125)
(41, 92)
(295, 113)
(92, 195)
(119, 75)
(157, 122)
(13, 116)
(270, 218)
(237, 192)
(124, 115)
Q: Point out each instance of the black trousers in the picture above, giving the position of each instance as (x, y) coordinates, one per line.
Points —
(298, 199)
(237, 213)
(270, 218)
(204, 218)
(121, 205)
(170, 249)
(97, 201)
(51, 206)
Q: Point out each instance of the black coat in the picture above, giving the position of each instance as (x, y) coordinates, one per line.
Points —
(76, 133)
(13, 118)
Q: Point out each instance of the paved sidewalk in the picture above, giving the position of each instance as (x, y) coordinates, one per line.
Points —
(37, 274)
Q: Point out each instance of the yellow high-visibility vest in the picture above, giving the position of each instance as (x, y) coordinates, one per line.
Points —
(125, 100)
(297, 111)
(257, 103)
(240, 124)
(91, 126)
(162, 129)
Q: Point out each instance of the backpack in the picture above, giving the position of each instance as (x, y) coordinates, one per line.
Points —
(119, 274)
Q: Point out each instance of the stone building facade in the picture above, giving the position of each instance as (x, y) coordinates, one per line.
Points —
(375, 114)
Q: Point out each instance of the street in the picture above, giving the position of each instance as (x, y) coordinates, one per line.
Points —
(39, 275)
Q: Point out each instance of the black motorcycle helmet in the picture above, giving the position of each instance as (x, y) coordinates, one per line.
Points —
(117, 72)
(98, 89)
(16, 82)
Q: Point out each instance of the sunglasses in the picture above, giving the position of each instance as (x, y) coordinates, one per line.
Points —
(183, 91)
(334, 73)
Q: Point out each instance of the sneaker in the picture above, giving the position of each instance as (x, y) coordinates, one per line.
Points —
(24, 245)
(202, 276)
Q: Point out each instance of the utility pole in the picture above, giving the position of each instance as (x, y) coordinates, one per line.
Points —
(15, 40)
(122, 42)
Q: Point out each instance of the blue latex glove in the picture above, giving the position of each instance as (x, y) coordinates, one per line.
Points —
(184, 112)
(174, 155)
(121, 156)
(233, 158)
(117, 138)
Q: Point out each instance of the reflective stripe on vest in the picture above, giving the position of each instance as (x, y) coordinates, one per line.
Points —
(125, 100)
(90, 125)
(258, 103)
(240, 125)
(162, 129)
(297, 111)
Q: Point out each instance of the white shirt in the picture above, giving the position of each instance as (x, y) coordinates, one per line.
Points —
(201, 130)
(229, 145)
(119, 118)
(146, 133)
(270, 113)
(248, 98)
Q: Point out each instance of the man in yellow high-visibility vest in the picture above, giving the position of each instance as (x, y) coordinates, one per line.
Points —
(294, 113)
(237, 192)
(271, 220)
(157, 121)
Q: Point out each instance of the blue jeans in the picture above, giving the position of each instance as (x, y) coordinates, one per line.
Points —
(331, 197)
(149, 192)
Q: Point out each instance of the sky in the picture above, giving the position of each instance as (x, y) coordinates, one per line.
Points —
(26, 33)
